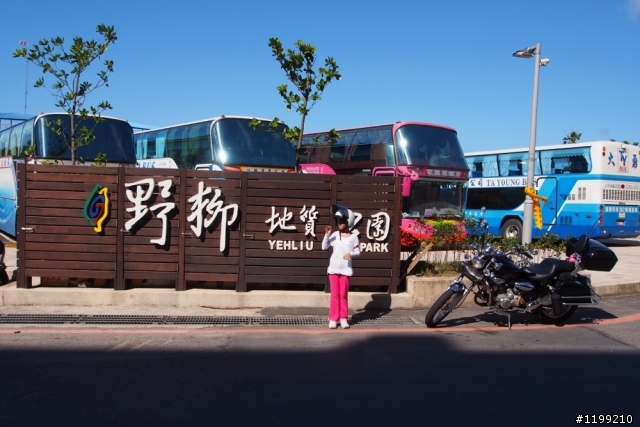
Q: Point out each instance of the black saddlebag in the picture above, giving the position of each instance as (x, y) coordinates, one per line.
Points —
(574, 290)
(598, 257)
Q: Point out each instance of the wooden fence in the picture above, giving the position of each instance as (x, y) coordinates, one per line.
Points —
(129, 225)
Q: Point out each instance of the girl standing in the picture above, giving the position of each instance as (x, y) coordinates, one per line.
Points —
(346, 245)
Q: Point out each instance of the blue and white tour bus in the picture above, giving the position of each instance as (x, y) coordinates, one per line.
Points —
(33, 140)
(589, 186)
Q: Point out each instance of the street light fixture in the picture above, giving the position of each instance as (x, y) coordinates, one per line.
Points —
(531, 52)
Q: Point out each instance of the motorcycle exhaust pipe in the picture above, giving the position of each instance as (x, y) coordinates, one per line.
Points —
(556, 304)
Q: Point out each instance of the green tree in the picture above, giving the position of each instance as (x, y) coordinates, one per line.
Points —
(571, 138)
(309, 83)
(67, 66)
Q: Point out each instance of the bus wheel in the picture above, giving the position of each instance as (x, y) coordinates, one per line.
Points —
(512, 228)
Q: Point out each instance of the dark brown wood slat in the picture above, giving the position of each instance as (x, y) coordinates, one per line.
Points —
(151, 258)
(292, 270)
(286, 262)
(207, 277)
(63, 238)
(215, 252)
(150, 249)
(57, 255)
(213, 269)
(321, 280)
(54, 212)
(360, 264)
(315, 186)
(75, 201)
(266, 253)
(157, 267)
(107, 180)
(209, 260)
(70, 265)
(33, 247)
(73, 230)
(78, 222)
(52, 272)
(149, 275)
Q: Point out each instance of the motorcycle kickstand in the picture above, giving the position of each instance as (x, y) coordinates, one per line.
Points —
(509, 320)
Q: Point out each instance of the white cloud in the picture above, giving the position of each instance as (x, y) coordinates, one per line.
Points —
(634, 8)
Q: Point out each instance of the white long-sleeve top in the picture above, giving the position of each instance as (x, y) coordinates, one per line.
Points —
(341, 245)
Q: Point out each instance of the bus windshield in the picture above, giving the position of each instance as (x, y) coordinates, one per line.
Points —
(430, 199)
(229, 143)
(429, 146)
(114, 138)
(237, 143)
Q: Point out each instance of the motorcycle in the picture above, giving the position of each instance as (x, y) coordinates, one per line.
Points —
(552, 289)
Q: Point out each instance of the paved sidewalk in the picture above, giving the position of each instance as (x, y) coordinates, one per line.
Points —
(623, 279)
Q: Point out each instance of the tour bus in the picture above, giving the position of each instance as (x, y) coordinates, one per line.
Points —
(590, 187)
(113, 138)
(231, 143)
(428, 157)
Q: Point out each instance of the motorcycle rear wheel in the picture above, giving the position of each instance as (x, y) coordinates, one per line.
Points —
(442, 307)
(546, 316)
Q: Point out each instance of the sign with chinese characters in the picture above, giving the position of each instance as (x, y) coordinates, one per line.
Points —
(519, 181)
(206, 207)
(377, 229)
(203, 228)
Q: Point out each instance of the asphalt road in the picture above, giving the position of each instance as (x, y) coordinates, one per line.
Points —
(470, 372)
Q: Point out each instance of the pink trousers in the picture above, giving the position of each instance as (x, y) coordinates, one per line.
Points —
(339, 304)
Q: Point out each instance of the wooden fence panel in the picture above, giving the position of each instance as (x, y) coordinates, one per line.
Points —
(151, 225)
(189, 228)
(56, 234)
(214, 255)
(285, 220)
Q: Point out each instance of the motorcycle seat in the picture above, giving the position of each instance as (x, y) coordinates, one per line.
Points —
(548, 268)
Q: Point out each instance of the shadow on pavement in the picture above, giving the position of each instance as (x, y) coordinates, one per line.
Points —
(584, 315)
(403, 380)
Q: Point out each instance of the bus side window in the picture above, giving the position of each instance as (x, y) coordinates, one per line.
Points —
(555, 168)
(321, 154)
(305, 153)
(579, 165)
(477, 170)
(380, 155)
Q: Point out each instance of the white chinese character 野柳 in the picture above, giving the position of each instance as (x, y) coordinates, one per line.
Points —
(143, 192)
(213, 206)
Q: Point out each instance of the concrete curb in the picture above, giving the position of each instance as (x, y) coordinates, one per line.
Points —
(421, 293)
(221, 299)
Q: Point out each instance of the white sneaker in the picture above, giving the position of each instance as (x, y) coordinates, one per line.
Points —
(344, 323)
(332, 324)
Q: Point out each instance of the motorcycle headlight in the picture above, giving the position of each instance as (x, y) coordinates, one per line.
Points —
(477, 262)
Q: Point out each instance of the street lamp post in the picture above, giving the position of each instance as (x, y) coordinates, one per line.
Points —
(531, 52)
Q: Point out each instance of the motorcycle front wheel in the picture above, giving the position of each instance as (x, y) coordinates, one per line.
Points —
(442, 307)
(546, 316)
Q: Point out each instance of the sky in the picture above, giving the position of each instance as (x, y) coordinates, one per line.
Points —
(439, 61)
